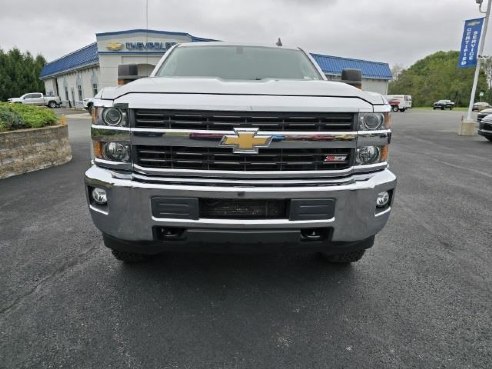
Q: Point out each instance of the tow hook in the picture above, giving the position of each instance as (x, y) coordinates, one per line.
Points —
(311, 234)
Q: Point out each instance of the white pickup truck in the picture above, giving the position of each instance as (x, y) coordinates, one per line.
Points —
(37, 98)
(239, 146)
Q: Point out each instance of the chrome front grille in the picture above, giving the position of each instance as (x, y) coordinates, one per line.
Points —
(227, 121)
(216, 158)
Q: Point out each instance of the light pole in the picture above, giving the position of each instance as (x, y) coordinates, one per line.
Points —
(467, 127)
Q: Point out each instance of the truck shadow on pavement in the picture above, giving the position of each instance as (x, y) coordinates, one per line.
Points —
(213, 272)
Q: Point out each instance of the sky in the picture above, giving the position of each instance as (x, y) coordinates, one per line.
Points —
(396, 32)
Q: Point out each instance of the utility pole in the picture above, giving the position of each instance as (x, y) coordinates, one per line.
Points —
(467, 127)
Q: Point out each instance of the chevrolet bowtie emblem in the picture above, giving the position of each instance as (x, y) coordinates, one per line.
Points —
(473, 23)
(114, 46)
(245, 141)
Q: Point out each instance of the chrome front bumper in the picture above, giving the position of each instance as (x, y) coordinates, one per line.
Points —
(128, 214)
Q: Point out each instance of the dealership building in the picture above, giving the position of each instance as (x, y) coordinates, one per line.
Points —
(84, 72)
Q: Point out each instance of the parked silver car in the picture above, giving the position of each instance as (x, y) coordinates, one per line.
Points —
(479, 106)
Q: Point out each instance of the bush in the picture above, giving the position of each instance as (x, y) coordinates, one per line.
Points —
(18, 116)
(10, 121)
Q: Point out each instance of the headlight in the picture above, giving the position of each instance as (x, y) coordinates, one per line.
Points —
(371, 155)
(114, 151)
(374, 121)
(112, 116)
(367, 155)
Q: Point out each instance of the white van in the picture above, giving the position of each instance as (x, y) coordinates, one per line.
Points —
(399, 102)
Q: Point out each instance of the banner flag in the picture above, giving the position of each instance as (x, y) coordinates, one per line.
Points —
(469, 43)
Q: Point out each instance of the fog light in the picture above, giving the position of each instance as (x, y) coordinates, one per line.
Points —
(383, 199)
(99, 196)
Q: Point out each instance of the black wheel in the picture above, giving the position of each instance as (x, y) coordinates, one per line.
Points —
(489, 138)
(129, 257)
(117, 248)
(346, 258)
(52, 104)
(442, 107)
(433, 108)
(89, 108)
(394, 108)
(402, 110)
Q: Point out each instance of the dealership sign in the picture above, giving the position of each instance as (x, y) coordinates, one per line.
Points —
(140, 46)
(469, 43)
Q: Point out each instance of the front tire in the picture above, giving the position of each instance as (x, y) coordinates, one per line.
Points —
(52, 104)
(118, 249)
(394, 108)
(345, 258)
(489, 138)
(129, 257)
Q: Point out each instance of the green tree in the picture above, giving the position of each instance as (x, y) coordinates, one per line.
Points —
(436, 77)
(19, 73)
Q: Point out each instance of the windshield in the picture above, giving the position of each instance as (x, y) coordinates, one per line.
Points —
(238, 62)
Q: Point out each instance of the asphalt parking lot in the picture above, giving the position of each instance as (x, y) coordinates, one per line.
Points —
(421, 298)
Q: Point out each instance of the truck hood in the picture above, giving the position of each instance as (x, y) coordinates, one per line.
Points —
(14, 99)
(213, 93)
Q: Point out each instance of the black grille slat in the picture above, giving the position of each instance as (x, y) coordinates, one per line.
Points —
(203, 158)
(212, 120)
(243, 209)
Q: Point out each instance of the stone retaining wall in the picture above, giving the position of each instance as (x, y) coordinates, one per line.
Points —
(28, 150)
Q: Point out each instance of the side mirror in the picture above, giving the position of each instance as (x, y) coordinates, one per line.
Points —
(352, 77)
(127, 73)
